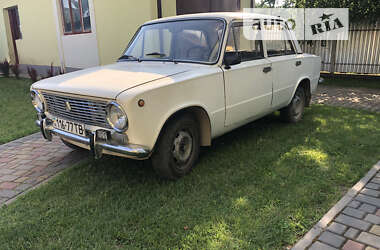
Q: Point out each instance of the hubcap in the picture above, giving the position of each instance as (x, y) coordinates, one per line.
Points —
(182, 147)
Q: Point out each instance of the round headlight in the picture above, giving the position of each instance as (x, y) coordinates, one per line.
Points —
(37, 101)
(116, 117)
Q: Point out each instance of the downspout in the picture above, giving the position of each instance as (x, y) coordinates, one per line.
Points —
(159, 8)
(59, 37)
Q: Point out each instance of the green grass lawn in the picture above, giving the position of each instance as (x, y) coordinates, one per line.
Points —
(18, 114)
(352, 83)
(262, 186)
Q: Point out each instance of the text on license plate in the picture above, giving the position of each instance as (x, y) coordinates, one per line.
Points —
(69, 126)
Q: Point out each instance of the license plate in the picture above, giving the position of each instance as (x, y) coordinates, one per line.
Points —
(69, 126)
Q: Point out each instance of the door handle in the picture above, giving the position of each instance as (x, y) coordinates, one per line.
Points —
(298, 63)
(267, 69)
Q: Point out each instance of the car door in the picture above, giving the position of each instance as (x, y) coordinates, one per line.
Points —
(248, 85)
(285, 62)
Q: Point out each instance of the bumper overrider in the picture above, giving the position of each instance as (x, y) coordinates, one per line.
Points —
(96, 146)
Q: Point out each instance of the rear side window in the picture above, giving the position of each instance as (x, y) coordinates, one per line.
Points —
(248, 49)
(278, 42)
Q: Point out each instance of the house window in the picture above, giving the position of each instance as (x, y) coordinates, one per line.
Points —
(76, 16)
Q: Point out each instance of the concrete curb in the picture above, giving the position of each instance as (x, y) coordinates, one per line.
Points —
(322, 224)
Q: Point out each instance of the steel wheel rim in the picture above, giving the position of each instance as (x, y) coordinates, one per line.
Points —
(297, 105)
(182, 147)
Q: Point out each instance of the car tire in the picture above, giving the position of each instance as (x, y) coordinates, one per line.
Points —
(72, 146)
(294, 111)
(177, 148)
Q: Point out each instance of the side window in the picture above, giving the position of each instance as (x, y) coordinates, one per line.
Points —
(277, 39)
(248, 49)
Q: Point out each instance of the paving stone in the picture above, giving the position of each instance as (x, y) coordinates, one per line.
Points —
(368, 199)
(369, 239)
(6, 171)
(367, 208)
(370, 192)
(376, 180)
(20, 172)
(354, 204)
(331, 239)
(375, 230)
(337, 228)
(25, 167)
(371, 248)
(8, 185)
(320, 246)
(22, 179)
(353, 245)
(354, 212)
(351, 233)
(5, 193)
(372, 218)
(373, 186)
(23, 187)
(353, 222)
(8, 178)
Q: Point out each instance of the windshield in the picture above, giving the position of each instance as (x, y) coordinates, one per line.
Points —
(187, 41)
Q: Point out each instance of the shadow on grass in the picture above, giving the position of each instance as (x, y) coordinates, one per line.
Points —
(259, 187)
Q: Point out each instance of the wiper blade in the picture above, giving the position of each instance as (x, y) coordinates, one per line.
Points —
(156, 54)
(129, 57)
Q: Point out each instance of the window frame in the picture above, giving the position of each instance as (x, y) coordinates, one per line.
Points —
(72, 32)
(220, 50)
(240, 23)
(288, 41)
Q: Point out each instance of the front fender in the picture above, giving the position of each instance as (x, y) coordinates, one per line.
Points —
(166, 97)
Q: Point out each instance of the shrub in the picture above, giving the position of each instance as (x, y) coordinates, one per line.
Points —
(32, 72)
(16, 70)
(4, 67)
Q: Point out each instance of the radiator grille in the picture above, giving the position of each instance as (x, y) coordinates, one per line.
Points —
(85, 111)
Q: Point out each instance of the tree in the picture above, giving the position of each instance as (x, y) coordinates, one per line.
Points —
(360, 10)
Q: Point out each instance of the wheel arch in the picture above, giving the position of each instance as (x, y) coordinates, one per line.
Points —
(306, 84)
(202, 118)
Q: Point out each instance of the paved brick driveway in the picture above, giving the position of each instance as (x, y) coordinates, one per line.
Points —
(358, 98)
(26, 162)
(353, 223)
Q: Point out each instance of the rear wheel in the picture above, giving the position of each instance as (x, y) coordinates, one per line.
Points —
(177, 148)
(294, 111)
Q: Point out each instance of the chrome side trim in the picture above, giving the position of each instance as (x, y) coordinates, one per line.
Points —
(130, 150)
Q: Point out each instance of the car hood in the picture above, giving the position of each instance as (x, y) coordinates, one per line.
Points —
(109, 81)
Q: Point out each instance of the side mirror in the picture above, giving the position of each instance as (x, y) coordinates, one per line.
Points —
(231, 58)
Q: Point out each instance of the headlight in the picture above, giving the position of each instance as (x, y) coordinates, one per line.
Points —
(37, 101)
(116, 117)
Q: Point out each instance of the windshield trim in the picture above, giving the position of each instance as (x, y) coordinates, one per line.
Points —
(175, 60)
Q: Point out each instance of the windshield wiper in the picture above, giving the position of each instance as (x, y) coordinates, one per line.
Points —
(156, 54)
(129, 57)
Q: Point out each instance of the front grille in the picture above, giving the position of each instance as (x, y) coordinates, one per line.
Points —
(82, 110)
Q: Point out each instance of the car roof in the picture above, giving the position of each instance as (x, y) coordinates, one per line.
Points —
(228, 16)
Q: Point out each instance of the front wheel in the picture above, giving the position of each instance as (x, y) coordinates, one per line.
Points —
(294, 111)
(177, 148)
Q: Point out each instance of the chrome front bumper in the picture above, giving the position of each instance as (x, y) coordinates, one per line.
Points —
(97, 147)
